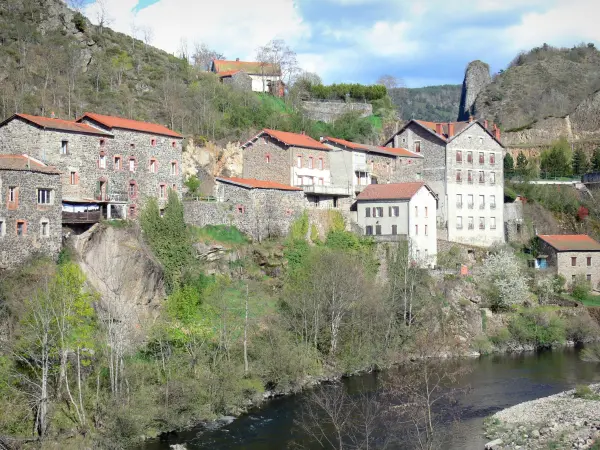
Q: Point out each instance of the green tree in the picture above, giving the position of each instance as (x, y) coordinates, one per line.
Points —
(580, 162)
(556, 161)
(595, 162)
(509, 165)
(521, 164)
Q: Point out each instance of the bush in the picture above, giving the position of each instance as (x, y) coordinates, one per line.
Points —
(539, 328)
(482, 344)
(79, 21)
(585, 392)
(227, 234)
(591, 353)
(501, 337)
(580, 288)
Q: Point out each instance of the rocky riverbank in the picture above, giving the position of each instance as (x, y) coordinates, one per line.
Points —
(568, 420)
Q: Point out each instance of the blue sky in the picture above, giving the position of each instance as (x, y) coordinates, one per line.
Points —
(423, 43)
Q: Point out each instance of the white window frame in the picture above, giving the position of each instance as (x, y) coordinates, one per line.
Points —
(45, 222)
(64, 147)
(42, 193)
(102, 161)
(2, 227)
(12, 194)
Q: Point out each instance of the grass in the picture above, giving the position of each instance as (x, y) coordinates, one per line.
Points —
(585, 392)
(223, 234)
(591, 300)
(375, 121)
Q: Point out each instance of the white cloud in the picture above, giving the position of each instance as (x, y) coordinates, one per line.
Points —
(389, 39)
(233, 27)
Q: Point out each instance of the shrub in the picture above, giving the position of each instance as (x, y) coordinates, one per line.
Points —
(501, 337)
(227, 234)
(585, 392)
(580, 287)
(193, 184)
(482, 344)
(581, 327)
(539, 328)
(591, 353)
(79, 22)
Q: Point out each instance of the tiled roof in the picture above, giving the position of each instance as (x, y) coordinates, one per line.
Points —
(291, 139)
(458, 127)
(345, 143)
(25, 164)
(393, 191)
(250, 67)
(571, 242)
(227, 73)
(252, 183)
(129, 124)
(394, 151)
(57, 124)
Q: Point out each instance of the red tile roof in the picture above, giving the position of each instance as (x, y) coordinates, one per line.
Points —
(252, 183)
(571, 242)
(250, 67)
(129, 124)
(395, 151)
(393, 191)
(291, 139)
(227, 73)
(345, 143)
(57, 124)
(25, 164)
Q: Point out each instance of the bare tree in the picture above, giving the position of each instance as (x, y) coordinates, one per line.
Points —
(277, 60)
(103, 16)
(204, 56)
(390, 82)
(184, 52)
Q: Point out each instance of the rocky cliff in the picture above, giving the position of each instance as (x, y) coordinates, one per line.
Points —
(477, 78)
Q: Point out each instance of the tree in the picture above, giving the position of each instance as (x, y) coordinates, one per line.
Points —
(390, 82)
(580, 163)
(555, 162)
(277, 58)
(204, 56)
(509, 165)
(595, 162)
(521, 164)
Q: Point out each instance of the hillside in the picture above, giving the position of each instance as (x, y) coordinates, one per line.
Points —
(52, 59)
(545, 82)
(434, 103)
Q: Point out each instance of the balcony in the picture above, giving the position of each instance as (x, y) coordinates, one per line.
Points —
(82, 217)
(362, 167)
(320, 189)
(117, 197)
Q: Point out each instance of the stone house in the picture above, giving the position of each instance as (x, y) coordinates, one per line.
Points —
(30, 210)
(570, 255)
(399, 211)
(463, 165)
(260, 209)
(237, 79)
(264, 77)
(297, 160)
(108, 164)
(359, 165)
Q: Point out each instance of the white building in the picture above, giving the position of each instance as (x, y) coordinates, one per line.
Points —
(398, 211)
(265, 77)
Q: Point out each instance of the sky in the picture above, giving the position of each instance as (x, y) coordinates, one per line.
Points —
(426, 42)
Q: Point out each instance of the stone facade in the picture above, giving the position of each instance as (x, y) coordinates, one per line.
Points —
(259, 213)
(26, 226)
(561, 263)
(239, 80)
(113, 165)
(328, 111)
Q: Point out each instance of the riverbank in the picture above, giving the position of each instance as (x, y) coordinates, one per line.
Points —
(570, 419)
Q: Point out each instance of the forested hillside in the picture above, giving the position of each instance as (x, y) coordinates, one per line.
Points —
(52, 59)
(433, 103)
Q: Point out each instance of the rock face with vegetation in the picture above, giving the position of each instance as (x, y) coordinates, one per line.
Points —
(432, 103)
(477, 77)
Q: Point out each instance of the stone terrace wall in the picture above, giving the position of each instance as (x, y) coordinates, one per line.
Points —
(14, 249)
(259, 213)
(329, 111)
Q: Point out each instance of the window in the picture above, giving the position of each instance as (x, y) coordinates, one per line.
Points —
(492, 201)
(299, 161)
(492, 158)
(268, 158)
(44, 196)
(378, 212)
(102, 143)
(367, 212)
(459, 200)
(492, 223)
(426, 211)
(480, 141)
(12, 194)
(378, 229)
(470, 223)
(73, 178)
(241, 209)
(482, 223)
(369, 230)
(153, 165)
(310, 162)
(394, 211)
(417, 146)
(573, 261)
(153, 142)
(416, 230)
(589, 261)
(174, 144)
(118, 163)
(470, 176)
(572, 277)
(102, 161)
(470, 157)
(394, 229)
(162, 190)
(470, 201)
(2, 228)
(458, 176)
(482, 202)
(322, 182)
(320, 164)
(588, 277)
(64, 147)
(481, 158)
(493, 177)
(132, 189)
(459, 223)
(44, 228)
(131, 146)
(174, 168)
(481, 177)
(425, 230)
(416, 211)
(174, 187)
(459, 156)
(21, 228)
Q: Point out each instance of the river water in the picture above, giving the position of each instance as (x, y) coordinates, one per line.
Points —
(496, 382)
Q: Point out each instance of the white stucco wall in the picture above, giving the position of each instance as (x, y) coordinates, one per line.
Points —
(258, 85)
(422, 214)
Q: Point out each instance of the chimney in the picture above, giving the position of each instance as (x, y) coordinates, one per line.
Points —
(439, 128)
(52, 116)
(450, 129)
(237, 59)
(496, 132)
(303, 132)
(485, 124)
(471, 118)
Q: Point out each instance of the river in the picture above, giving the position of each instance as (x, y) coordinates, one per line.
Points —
(495, 382)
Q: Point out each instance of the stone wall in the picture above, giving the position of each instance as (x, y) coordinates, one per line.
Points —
(259, 213)
(84, 151)
(240, 80)
(329, 111)
(560, 262)
(15, 249)
(255, 161)
(391, 169)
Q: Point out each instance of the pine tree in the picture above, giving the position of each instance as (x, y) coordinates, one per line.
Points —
(509, 165)
(595, 162)
(580, 162)
(521, 164)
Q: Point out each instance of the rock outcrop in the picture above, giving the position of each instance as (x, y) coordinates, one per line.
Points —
(477, 77)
